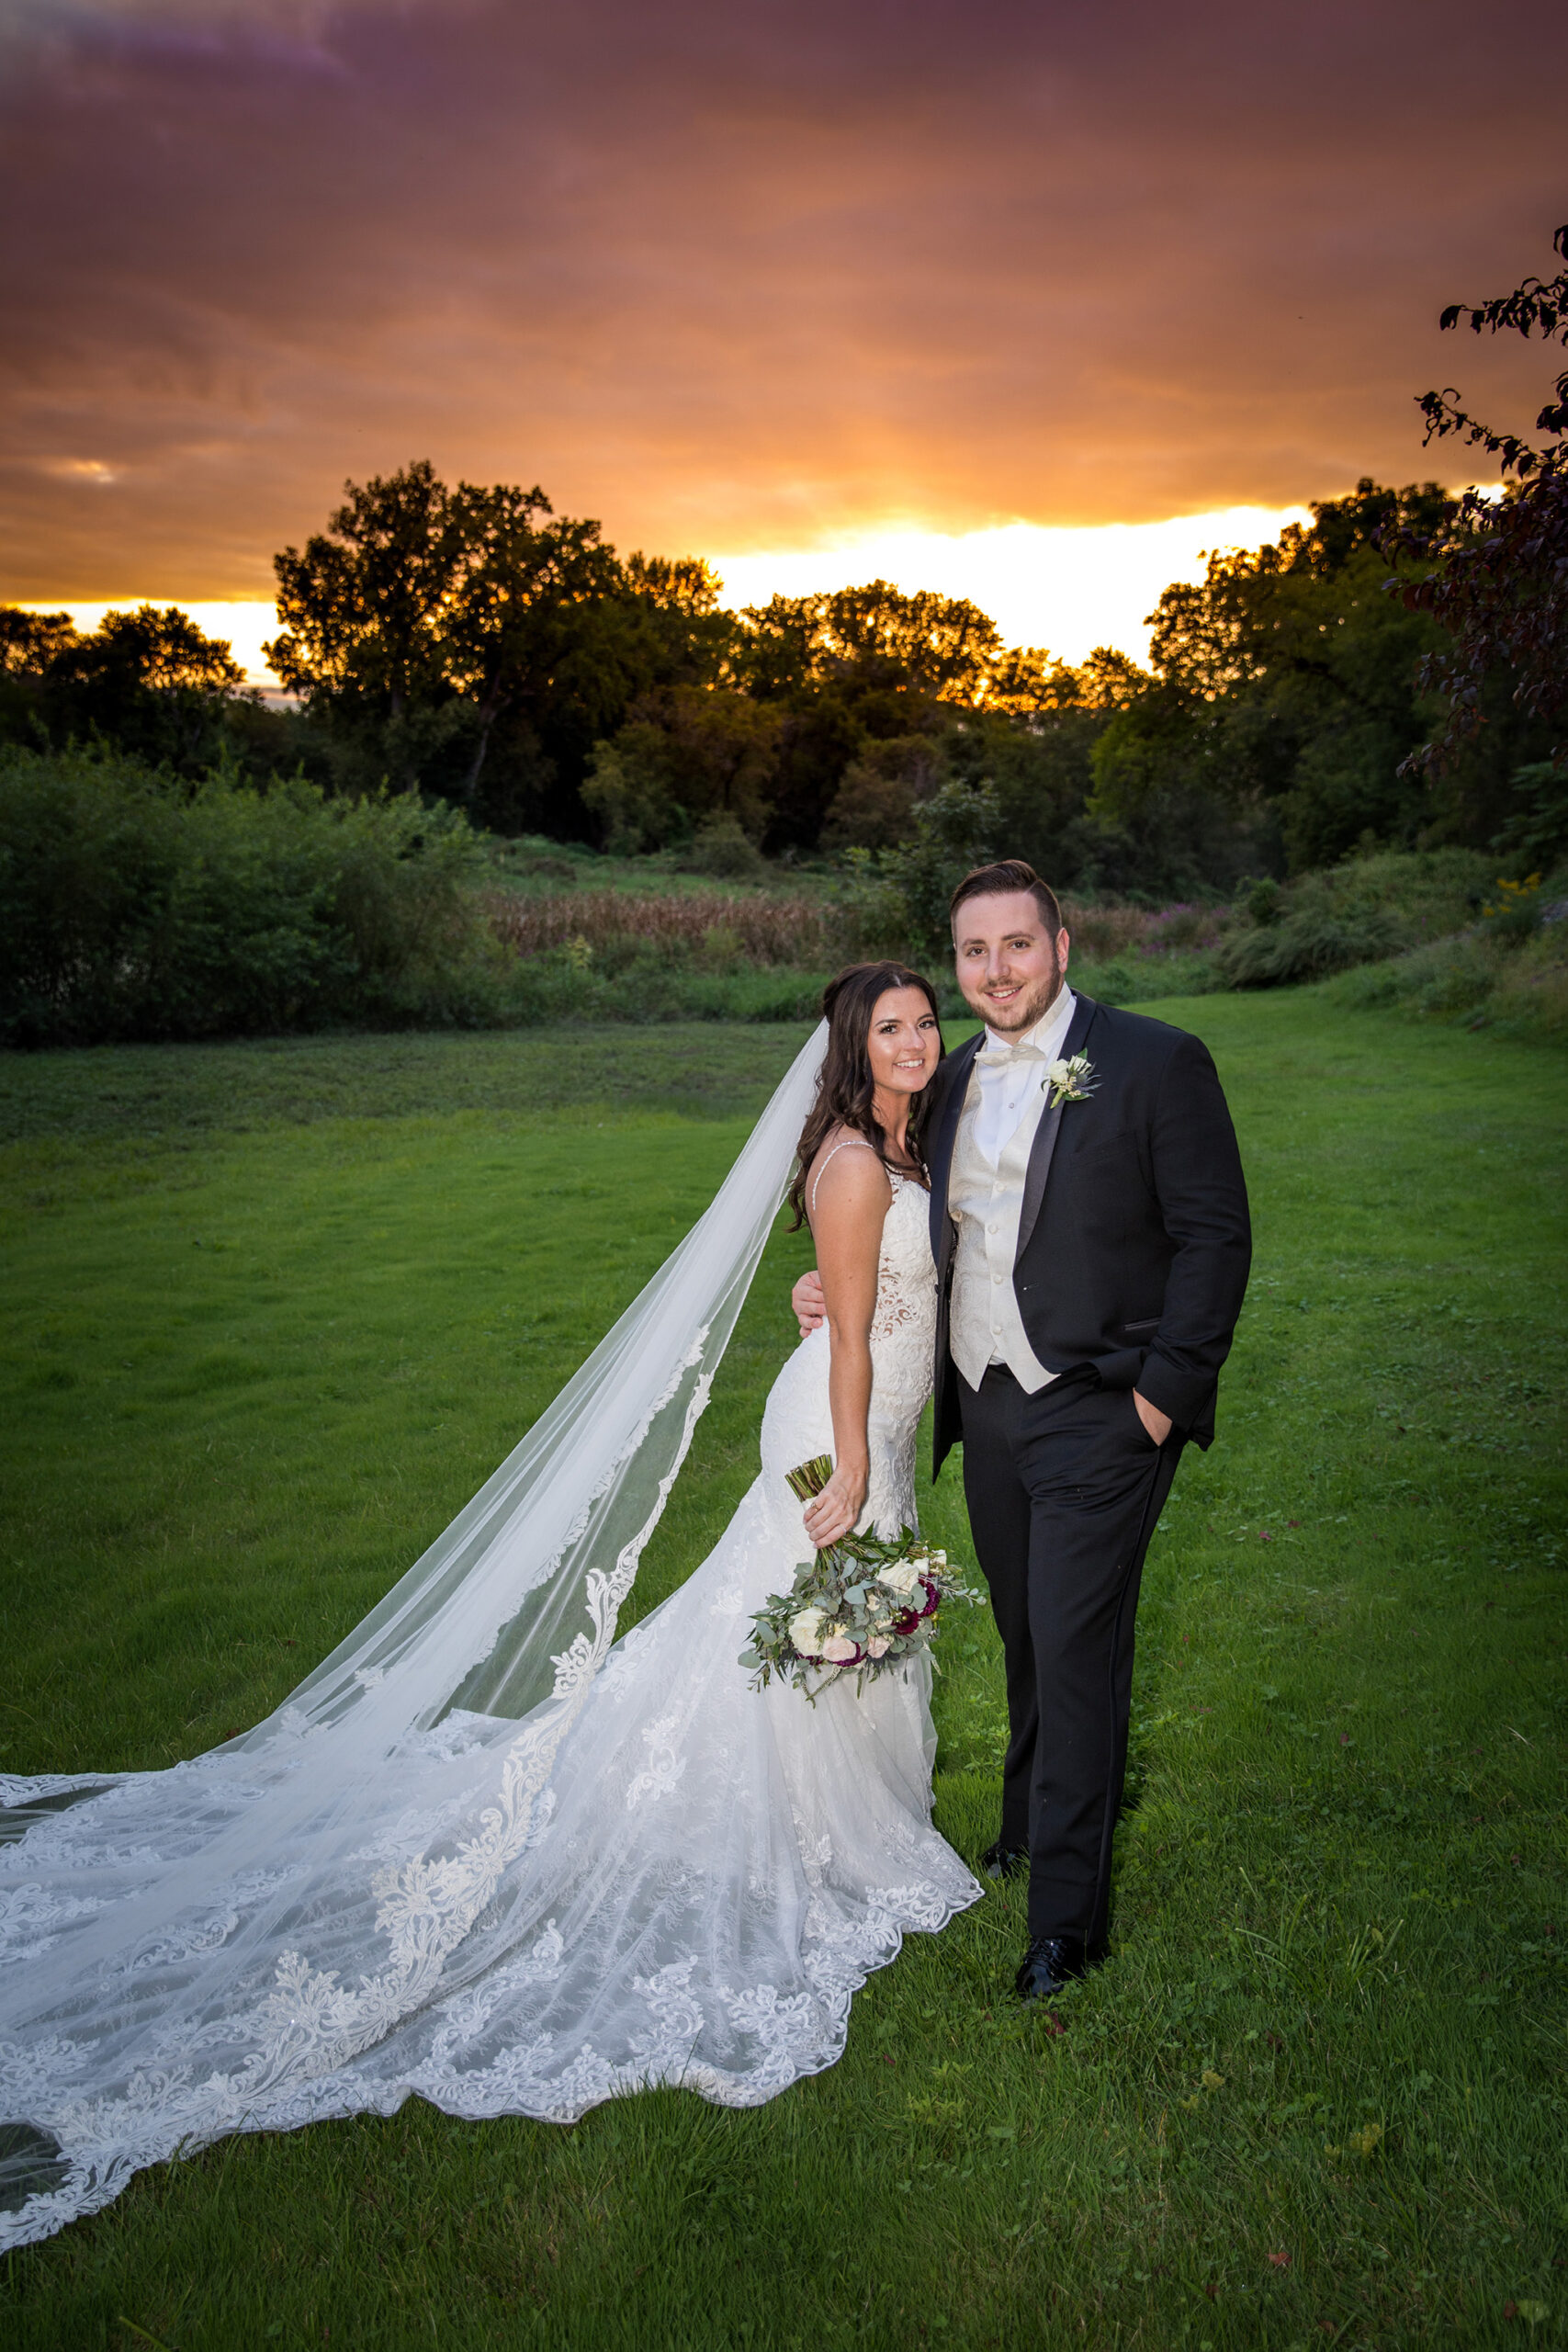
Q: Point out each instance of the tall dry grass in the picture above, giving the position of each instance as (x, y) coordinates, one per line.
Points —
(797, 932)
(803, 932)
(1103, 932)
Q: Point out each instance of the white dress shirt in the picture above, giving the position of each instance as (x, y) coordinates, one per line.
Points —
(1002, 1111)
(1007, 1073)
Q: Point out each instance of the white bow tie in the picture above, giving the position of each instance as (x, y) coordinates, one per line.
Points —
(993, 1057)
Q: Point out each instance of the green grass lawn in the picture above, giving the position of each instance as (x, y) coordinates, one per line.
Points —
(271, 1313)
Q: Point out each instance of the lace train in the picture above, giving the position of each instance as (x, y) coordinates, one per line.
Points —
(694, 1896)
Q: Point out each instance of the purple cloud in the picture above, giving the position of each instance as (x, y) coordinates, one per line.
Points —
(734, 275)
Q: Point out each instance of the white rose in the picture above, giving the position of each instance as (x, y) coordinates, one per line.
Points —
(879, 1646)
(903, 1578)
(1060, 1074)
(806, 1632)
(838, 1649)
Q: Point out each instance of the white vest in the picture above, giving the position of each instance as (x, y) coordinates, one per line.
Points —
(984, 1200)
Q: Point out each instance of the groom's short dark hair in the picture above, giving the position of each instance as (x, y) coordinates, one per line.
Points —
(1007, 875)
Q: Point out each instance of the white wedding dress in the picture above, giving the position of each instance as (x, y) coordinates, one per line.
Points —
(723, 1867)
(687, 1890)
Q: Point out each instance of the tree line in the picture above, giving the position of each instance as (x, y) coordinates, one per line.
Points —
(1390, 673)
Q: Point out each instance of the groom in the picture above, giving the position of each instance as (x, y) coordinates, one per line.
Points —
(1092, 1244)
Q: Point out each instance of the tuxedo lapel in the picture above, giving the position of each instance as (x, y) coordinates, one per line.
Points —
(1044, 1149)
(938, 1160)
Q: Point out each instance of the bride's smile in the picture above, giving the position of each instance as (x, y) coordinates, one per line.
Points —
(903, 1046)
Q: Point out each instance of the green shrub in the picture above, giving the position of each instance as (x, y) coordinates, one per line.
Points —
(1514, 911)
(1444, 980)
(894, 901)
(636, 980)
(135, 906)
(880, 789)
(1357, 913)
(1531, 993)
(1477, 980)
(1312, 940)
(687, 756)
(871, 911)
(1139, 979)
(1261, 899)
(722, 850)
(629, 795)
(1536, 834)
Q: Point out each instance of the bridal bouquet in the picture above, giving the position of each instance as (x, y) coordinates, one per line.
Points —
(858, 1608)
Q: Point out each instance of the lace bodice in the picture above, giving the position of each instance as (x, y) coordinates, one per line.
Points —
(798, 1421)
(905, 1277)
(903, 1324)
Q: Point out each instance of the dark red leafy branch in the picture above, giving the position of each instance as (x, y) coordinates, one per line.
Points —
(1498, 575)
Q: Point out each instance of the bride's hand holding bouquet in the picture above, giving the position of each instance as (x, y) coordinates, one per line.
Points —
(834, 1512)
(861, 1606)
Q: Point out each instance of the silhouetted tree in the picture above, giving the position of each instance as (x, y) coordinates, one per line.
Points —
(1286, 695)
(527, 612)
(149, 681)
(368, 609)
(857, 667)
(430, 625)
(873, 638)
(1498, 581)
(31, 641)
(673, 603)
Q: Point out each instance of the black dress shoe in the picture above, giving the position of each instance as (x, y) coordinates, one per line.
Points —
(1050, 1963)
(1004, 1861)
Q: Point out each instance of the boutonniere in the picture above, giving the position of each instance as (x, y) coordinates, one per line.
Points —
(1066, 1081)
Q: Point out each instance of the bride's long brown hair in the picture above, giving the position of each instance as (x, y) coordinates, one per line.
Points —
(847, 1090)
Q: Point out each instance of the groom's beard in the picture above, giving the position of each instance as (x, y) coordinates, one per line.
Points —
(1012, 1020)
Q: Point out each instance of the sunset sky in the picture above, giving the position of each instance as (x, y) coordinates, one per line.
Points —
(748, 277)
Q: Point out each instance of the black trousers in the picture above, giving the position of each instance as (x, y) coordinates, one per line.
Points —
(1064, 1490)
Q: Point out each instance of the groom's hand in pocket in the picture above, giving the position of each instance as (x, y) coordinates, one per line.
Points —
(1156, 1423)
(806, 1300)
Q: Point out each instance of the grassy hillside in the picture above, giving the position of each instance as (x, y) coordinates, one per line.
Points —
(271, 1313)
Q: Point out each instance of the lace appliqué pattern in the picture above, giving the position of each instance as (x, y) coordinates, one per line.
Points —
(657, 1875)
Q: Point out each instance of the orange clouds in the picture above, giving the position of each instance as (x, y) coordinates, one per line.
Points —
(733, 275)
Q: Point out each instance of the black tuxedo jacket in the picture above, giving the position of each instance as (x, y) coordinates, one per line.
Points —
(1133, 1243)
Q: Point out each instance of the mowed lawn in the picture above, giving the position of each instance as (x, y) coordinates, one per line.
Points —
(271, 1314)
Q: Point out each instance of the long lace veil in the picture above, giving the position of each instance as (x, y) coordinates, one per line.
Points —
(181, 1952)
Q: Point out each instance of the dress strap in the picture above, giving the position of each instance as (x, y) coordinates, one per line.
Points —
(843, 1144)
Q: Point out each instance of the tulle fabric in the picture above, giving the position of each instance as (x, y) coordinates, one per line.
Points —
(463, 1862)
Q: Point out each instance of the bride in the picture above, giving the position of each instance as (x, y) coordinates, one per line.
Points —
(483, 1857)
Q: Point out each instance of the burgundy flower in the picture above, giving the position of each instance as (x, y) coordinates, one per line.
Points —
(933, 1595)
